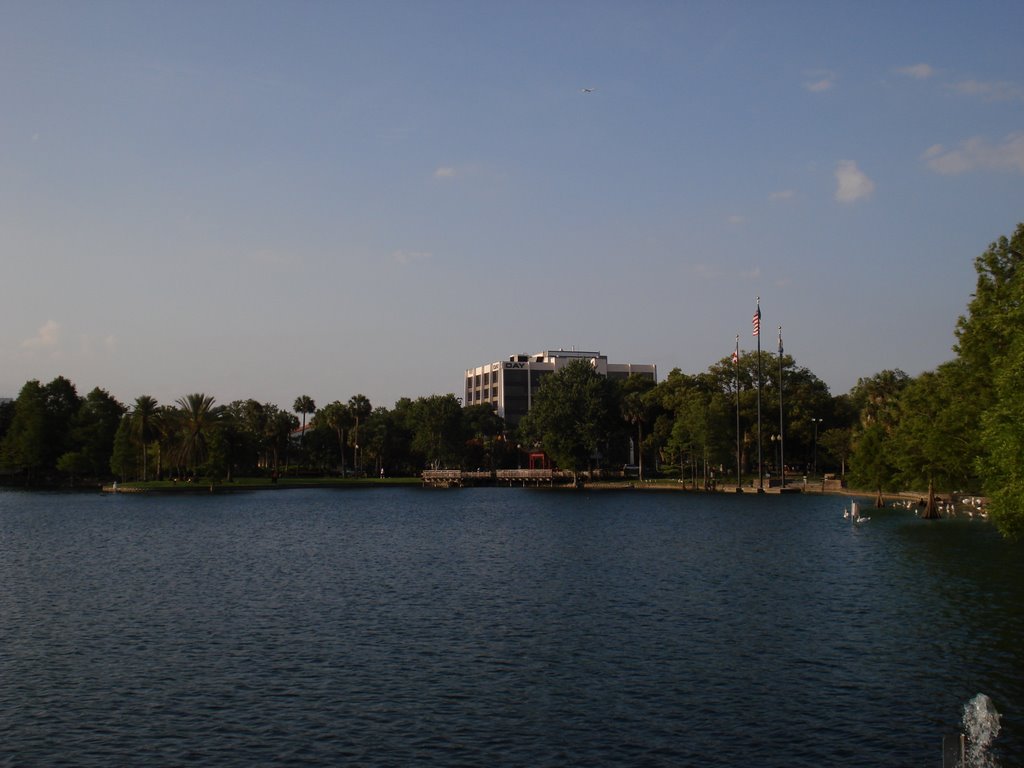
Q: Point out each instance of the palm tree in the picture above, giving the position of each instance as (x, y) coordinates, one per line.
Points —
(277, 427)
(337, 416)
(198, 417)
(360, 408)
(166, 423)
(143, 426)
(304, 404)
(634, 411)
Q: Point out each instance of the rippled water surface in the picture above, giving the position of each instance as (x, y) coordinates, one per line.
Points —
(497, 626)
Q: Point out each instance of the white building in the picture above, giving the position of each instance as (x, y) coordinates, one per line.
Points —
(509, 386)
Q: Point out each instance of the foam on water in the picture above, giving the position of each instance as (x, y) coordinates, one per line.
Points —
(981, 726)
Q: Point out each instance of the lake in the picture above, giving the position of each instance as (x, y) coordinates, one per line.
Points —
(475, 627)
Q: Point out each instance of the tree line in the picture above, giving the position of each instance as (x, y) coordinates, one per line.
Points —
(959, 427)
(50, 434)
(580, 420)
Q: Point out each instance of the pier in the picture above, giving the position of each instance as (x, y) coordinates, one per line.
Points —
(457, 478)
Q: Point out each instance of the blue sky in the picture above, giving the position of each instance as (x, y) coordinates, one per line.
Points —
(268, 199)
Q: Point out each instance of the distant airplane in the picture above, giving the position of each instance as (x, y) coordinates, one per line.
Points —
(586, 90)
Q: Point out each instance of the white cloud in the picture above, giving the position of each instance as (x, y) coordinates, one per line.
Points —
(820, 80)
(410, 257)
(46, 337)
(851, 182)
(782, 194)
(999, 91)
(736, 219)
(917, 71)
(977, 154)
(445, 172)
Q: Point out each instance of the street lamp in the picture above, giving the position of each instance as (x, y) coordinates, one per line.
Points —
(778, 439)
(814, 465)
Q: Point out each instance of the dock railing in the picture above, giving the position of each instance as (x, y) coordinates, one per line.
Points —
(457, 478)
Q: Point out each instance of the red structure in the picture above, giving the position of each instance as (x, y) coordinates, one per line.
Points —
(539, 461)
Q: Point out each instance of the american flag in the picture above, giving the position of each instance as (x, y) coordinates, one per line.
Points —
(757, 322)
(735, 357)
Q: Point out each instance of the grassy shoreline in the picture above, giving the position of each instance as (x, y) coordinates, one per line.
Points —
(258, 484)
(246, 484)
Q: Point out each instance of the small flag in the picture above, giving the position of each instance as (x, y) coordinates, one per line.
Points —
(735, 357)
(780, 339)
(757, 322)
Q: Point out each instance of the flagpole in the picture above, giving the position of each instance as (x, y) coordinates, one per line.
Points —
(757, 333)
(782, 442)
(736, 373)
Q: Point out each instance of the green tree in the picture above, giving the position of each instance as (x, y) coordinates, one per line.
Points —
(838, 444)
(198, 416)
(992, 324)
(245, 435)
(485, 446)
(251, 419)
(876, 398)
(935, 438)
(304, 404)
(360, 409)
(169, 440)
(93, 430)
(217, 462)
(6, 417)
(707, 420)
(872, 464)
(1003, 434)
(805, 398)
(874, 459)
(40, 430)
(62, 404)
(439, 433)
(670, 395)
(74, 464)
(24, 447)
(337, 417)
(637, 409)
(124, 461)
(573, 414)
(393, 430)
(990, 341)
(144, 428)
(277, 429)
(375, 437)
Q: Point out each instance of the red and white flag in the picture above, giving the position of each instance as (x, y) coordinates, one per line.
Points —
(757, 322)
(735, 357)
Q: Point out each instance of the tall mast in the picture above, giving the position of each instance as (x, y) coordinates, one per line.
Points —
(736, 374)
(760, 460)
(782, 442)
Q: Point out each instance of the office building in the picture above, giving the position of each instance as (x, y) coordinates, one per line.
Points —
(509, 385)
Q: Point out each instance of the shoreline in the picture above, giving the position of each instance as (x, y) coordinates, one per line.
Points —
(244, 486)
